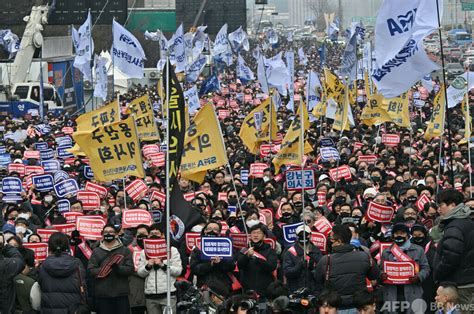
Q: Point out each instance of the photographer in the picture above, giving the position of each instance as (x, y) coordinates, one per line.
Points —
(11, 264)
(257, 263)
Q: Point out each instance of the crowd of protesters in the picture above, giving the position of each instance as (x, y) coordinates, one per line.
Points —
(345, 276)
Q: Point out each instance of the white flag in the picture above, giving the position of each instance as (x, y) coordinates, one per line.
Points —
(199, 41)
(290, 63)
(127, 53)
(289, 37)
(188, 45)
(277, 73)
(272, 36)
(262, 76)
(457, 90)
(100, 88)
(312, 83)
(401, 59)
(221, 44)
(195, 69)
(84, 47)
(9, 41)
(238, 39)
(193, 99)
(243, 71)
(178, 50)
(302, 56)
(427, 82)
(161, 38)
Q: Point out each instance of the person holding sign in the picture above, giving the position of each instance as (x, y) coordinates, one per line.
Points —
(300, 260)
(257, 263)
(154, 272)
(110, 265)
(215, 268)
(408, 286)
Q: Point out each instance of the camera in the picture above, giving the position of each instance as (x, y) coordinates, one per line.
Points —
(190, 299)
(302, 300)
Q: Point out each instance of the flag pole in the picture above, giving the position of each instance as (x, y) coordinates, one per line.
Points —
(168, 240)
(447, 116)
(91, 63)
(468, 123)
(113, 61)
(302, 169)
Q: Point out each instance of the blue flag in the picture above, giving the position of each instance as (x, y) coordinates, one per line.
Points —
(211, 84)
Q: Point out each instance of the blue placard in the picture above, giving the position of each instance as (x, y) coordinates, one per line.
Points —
(5, 160)
(64, 141)
(232, 209)
(50, 166)
(3, 149)
(46, 154)
(64, 206)
(43, 183)
(60, 176)
(289, 232)
(12, 198)
(62, 153)
(66, 187)
(88, 172)
(163, 147)
(327, 142)
(216, 247)
(9, 136)
(157, 215)
(41, 146)
(11, 185)
(329, 153)
(244, 176)
(43, 128)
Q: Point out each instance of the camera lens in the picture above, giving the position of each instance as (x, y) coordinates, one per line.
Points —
(247, 304)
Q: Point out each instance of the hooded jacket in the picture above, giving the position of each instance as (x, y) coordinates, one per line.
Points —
(454, 258)
(11, 264)
(61, 278)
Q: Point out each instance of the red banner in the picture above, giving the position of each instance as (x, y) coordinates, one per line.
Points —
(223, 113)
(20, 168)
(136, 189)
(323, 225)
(158, 159)
(266, 148)
(422, 200)
(71, 217)
(133, 217)
(222, 196)
(379, 213)
(192, 239)
(150, 149)
(155, 248)
(189, 196)
(67, 130)
(370, 159)
(337, 174)
(40, 250)
(35, 154)
(321, 198)
(319, 239)
(239, 240)
(398, 272)
(33, 169)
(391, 139)
(90, 200)
(99, 189)
(65, 228)
(257, 169)
(45, 234)
(90, 227)
(358, 145)
(155, 195)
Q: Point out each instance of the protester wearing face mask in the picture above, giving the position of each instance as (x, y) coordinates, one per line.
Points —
(154, 271)
(137, 283)
(297, 201)
(344, 269)
(216, 268)
(300, 260)
(21, 228)
(402, 246)
(110, 265)
(257, 263)
(288, 216)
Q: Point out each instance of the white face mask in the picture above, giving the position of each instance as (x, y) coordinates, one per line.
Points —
(21, 230)
(48, 198)
(24, 215)
(252, 222)
(197, 228)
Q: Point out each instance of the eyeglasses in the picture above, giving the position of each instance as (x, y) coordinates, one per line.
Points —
(308, 222)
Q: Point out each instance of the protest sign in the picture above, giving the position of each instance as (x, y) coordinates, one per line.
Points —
(295, 179)
(90, 227)
(422, 200)
(342, 172)
(216, 247)
(50, 166)
(60, 176)
(19, 168)
(66, 187)
(192, 239)
(370, 159)
(99, 189)
(398, 273)
(323, 225)
(45, 234)
(134, 217)
(136, 189)
(65, 228)
(43, 183)
(88, 173)
(31, 154)
(63, 206)
(391, 139)
(11, 185)
(257, 169)
(71, 217)
(39, 249)
(266, 149)
(90, 200)
(47, 154)
(155, 248)
(289, 232)
(41, 146)
(379, 213)
(239, 240)
(33, 170)
(319, 239)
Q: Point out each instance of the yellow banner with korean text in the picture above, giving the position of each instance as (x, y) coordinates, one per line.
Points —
(436, 123)
(142, 110)
(203, 146)
(105, 115)
(113, 150)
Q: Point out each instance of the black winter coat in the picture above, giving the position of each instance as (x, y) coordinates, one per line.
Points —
(62, 282)
(454, 259)
(297, 272)
(205, 271)
(11, 264)
(257, 273)
(348, 270)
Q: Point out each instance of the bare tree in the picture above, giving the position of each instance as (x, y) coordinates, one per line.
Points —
(319, 7)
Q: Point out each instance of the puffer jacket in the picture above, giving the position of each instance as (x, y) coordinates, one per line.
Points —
(11, 264)
(62, 283)
(348, 270)
(454, 258)
(155, 279)
(116, 283)
(298, 271)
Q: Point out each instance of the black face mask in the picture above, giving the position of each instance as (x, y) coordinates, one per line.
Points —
(232, 201)
(303, 239)
(257, 244)
(343, 215)
(211, 234)
(375, 179)
(411, 199)
(298, 205)
(154, 237)
(399, 240)
(286, 215)
(140, 241)
(418, 240)
(109, 237)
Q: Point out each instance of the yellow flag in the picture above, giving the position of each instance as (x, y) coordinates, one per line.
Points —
(102, 116)
(373, 112)
(203, 146)
(76, 151)
(436, 124)
(113, 150)
(467, 122)
(341, 117)
(291, 146)
(251, 137)
(398, 110)
(320, 109)
(142, 110)
(334, 88)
